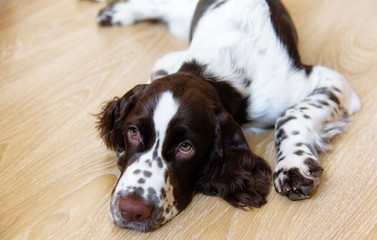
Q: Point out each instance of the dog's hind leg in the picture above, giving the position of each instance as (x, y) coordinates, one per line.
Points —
(176, 13)
(129, 12)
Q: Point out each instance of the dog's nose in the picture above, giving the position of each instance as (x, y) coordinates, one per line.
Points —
(134, 210)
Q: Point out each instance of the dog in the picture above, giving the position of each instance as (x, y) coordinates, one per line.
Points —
(181, 133)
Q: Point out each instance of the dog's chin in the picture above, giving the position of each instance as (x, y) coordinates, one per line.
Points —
(138, 226)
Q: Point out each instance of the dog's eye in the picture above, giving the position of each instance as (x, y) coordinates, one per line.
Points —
(134, 133)
(185, 148)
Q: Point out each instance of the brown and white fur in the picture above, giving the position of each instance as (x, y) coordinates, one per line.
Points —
(180, 133)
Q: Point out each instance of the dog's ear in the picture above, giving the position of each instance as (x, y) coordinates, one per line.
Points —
(233, 172)
(113, 115)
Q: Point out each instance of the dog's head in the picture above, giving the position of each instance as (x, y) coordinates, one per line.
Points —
(173, 137)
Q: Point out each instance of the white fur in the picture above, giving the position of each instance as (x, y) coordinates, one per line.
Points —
(250, 44)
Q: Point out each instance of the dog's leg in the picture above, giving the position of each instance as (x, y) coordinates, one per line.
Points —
(306, 129)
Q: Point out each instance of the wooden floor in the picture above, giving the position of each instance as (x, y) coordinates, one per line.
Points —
(57, 67)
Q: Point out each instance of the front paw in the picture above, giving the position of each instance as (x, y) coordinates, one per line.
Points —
(295, 183)
(115, 14)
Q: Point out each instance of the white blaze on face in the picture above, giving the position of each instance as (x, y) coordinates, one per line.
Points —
(166, 109)
(146, 176)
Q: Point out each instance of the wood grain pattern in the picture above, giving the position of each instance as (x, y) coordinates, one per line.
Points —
(56, 69)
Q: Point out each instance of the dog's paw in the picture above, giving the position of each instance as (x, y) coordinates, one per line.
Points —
(298, 183)
(115, 14)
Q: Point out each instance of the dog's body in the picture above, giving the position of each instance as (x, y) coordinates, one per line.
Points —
(182, 129)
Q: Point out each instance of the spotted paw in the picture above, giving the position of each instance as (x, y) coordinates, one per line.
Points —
(295, 183)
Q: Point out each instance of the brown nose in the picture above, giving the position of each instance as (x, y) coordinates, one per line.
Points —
(134, 210)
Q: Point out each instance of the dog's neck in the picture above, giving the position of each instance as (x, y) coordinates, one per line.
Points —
(231, 99)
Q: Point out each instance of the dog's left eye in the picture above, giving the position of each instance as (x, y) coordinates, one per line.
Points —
(186, 148)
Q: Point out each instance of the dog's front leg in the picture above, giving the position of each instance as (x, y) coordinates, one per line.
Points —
(306, 129)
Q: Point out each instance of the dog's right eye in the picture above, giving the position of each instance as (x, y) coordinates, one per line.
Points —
(134, 134)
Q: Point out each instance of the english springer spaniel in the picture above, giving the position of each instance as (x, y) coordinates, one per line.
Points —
(181, 133)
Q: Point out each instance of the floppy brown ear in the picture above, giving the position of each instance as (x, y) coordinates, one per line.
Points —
(111, 119)
(233, 172)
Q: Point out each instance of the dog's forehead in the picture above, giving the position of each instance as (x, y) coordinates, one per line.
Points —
(176, 100)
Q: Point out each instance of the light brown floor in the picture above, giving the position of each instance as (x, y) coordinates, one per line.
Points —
(57, 67)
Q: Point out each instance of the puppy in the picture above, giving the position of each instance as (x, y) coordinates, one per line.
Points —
(181, 133)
